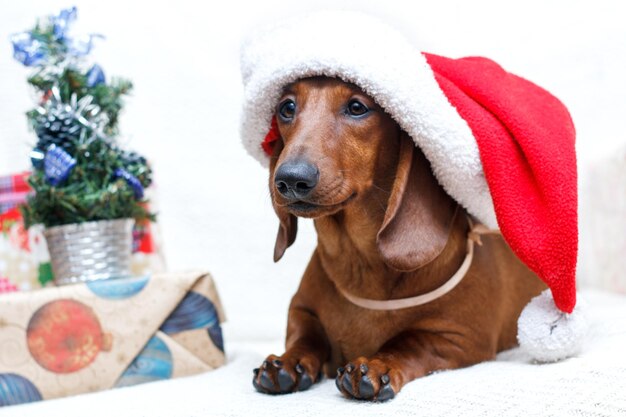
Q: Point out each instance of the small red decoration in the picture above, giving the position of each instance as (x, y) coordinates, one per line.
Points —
(12, 224)
(270, 139)
(142, 237)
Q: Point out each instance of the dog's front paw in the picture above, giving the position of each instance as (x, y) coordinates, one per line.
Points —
(285, 374)
(366, 380)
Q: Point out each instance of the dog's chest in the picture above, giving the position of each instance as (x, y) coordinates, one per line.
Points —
(354, 331)
(354, 265)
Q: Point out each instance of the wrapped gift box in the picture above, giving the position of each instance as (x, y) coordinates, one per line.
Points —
(602, 257)
(104, 334)
(13, 190)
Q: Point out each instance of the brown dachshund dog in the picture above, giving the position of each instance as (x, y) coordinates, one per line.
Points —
(386, 230)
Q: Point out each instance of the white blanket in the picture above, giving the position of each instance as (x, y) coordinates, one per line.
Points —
(592, 384)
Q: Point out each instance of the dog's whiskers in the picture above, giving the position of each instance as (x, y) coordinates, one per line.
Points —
(321, 158)
(381, 189)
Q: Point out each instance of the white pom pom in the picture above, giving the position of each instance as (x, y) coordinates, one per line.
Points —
(548, 334)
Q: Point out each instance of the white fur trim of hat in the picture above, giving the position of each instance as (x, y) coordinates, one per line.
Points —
(389, 69)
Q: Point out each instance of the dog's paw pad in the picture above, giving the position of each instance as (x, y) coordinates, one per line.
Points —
(366, 388)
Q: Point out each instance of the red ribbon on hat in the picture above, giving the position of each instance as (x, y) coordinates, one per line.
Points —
(270, 139)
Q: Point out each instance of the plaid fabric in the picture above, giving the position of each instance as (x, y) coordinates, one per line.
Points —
(13, 190)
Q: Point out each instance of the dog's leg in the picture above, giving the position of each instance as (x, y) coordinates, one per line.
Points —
(300, 366)
(408, 356)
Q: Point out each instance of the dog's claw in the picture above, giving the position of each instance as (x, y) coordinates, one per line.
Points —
(305, 382)
(339, 378)
(386, 392)
(299, 369)
(265, 364)
(349, 368)
(256, 386)
(266, 381)
(364, 368)
(255, 371)
(338, 382)
(347, 384)
(277, 363)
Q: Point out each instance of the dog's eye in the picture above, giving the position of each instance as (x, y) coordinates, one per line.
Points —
(287, 110)
(356, 108)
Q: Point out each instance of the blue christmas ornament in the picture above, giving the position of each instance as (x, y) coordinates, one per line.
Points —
(36, 157)
(62, 22)
(195, 311)
(15, 389)
(76, 45)
(131, 180)
(118, 288)
(58, 165)
(27, 50)
(153, 363)
(95, 76)
(81, 45)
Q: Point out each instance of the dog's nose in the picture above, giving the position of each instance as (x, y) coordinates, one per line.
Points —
(296, 180)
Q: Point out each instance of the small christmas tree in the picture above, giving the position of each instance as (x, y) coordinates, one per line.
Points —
(79, 173)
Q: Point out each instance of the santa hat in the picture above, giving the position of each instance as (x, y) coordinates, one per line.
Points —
(498, 144)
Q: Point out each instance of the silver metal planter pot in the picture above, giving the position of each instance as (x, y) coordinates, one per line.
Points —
(90, 251)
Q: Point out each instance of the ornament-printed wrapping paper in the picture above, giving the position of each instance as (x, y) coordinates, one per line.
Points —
(105, 334)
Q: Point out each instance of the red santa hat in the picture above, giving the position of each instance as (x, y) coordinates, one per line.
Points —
(501, 146)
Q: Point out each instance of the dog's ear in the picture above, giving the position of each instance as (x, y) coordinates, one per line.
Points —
(288, 228)
(419, 214)
(287, 232)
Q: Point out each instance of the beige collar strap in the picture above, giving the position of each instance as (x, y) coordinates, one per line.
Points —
(473, 236)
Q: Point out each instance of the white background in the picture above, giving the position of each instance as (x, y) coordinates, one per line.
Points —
(215, 211)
